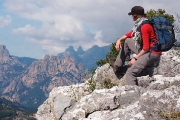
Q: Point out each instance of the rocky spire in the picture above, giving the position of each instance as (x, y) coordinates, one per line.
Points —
(70, 49)
(80, 51)
(4, 54)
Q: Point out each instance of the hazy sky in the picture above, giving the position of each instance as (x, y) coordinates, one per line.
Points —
(33, 28)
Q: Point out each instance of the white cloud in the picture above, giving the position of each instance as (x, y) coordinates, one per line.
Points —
(98, 39)
(53, 50)
(63, 21)
(28, 30)
(98, 36)
(5, 21)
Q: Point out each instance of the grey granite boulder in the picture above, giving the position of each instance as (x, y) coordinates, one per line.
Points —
(157, 97)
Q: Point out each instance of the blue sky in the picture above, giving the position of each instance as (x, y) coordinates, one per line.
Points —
(35, 28)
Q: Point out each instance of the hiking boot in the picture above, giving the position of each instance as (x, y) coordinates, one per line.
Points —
(111, 62)
(117, 70)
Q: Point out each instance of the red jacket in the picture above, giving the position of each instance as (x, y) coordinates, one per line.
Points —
(147, 32)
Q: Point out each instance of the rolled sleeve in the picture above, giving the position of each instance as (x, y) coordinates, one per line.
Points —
(129, 34)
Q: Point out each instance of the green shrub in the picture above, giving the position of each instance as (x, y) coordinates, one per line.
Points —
(91, 85)
(108, 83)
(170, 116)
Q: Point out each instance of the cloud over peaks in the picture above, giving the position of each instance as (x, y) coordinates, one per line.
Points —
(5, 21)
(77, 22)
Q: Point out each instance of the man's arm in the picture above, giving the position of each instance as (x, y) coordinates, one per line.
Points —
(146, 43)
(118, 42)
(142, 52)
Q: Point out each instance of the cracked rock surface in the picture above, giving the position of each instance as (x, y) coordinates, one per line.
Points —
(156, 96)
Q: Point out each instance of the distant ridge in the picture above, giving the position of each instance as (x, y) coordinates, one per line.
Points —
(89, 57)
(10, 110)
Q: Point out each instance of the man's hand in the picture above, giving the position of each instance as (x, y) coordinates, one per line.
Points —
(118, 42)
(118, 45)
(132, 62)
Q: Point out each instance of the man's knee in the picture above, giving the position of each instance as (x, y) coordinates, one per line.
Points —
(128, 40)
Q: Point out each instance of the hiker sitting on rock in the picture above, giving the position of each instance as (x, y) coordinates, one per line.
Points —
(140, 42)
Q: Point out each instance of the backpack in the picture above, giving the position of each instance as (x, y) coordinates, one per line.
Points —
(164, 31)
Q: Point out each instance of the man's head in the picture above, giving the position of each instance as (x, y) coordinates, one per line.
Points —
(137, 10)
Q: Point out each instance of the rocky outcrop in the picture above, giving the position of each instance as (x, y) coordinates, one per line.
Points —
(28, 81)
(157, 97)
(168, 66)
(4, 54)
(10, 68)
(32, 87)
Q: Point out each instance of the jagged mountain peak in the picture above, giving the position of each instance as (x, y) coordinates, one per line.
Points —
(33, 85)
(89, 57)
(95, 46)
(80, 51)
(70, 49)
(2, 47)
(4, 54)
(46, 57)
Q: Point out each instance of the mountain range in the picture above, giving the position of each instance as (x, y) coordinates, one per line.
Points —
(89, 57)
(28, 81)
